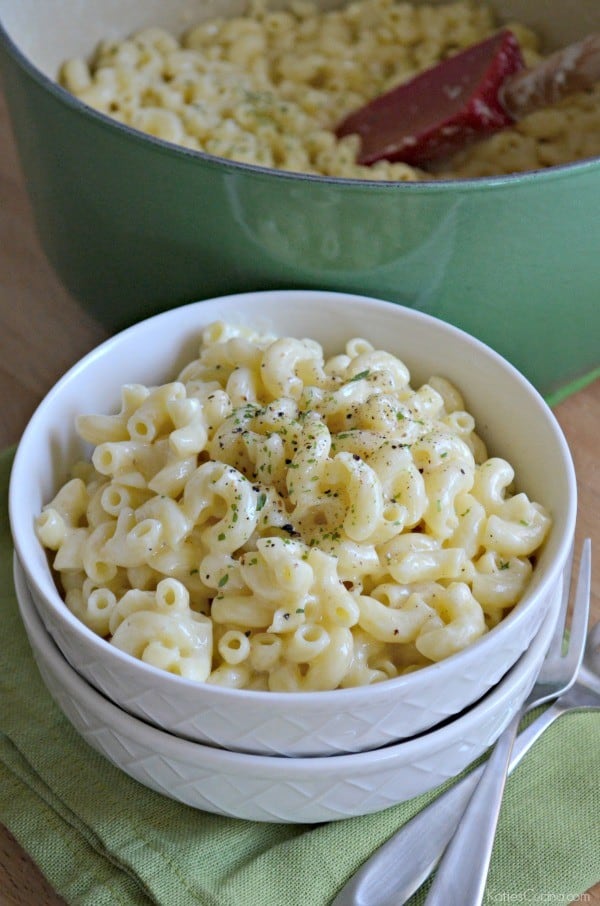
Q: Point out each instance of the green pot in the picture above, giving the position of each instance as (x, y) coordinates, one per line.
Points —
(133, 225)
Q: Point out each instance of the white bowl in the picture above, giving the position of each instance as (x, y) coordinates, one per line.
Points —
(269, 788)
(511, 416)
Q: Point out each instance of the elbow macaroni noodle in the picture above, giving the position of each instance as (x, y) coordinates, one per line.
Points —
(277, 520)
(269, 87)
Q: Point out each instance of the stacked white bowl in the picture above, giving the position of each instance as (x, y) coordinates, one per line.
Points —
(293, 756)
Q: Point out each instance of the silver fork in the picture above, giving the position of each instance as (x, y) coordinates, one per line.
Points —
(401, 865)
(462, 872)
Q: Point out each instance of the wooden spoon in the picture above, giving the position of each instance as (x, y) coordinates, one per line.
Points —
(467, 97)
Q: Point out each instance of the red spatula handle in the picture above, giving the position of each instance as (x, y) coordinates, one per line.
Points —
(575, 68)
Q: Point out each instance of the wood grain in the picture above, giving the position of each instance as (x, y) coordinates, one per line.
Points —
(43, 332)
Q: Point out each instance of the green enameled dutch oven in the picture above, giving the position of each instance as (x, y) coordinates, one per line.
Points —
(134, 225)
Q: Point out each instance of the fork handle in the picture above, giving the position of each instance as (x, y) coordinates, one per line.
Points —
(462, 873)
(399, 867)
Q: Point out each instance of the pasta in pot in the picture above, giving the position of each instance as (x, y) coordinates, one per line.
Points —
(276, 519)
(269, 87)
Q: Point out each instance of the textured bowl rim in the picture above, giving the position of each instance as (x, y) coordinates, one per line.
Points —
(166, 743)
(358, 693)
(509, 180)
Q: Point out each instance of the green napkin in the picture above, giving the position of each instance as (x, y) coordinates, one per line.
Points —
(103, 839)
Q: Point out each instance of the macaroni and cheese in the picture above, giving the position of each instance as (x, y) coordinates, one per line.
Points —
(277, 519)
(269, 87)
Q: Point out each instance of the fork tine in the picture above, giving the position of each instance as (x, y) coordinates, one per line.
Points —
(556, 645)
(564, 656)
(581, 607)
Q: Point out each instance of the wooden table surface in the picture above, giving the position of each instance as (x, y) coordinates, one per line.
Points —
(43, 332)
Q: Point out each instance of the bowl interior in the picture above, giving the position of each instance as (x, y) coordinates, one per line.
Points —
(50, 32)
(510, 415)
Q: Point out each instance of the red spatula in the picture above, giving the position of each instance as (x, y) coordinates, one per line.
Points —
(466, 98)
